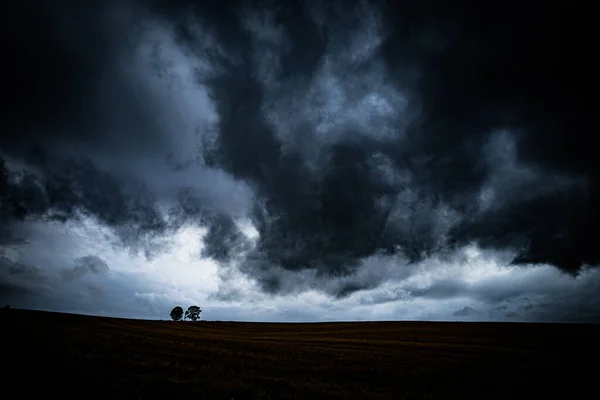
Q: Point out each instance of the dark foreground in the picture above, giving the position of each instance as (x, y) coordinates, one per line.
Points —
(46, 354)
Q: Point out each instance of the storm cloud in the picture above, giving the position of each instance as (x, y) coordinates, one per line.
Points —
(323, 146)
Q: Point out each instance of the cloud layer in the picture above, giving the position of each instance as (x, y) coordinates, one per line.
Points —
(470, 285)
(312, 147)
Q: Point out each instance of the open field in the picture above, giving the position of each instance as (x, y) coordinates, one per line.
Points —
(81, 356)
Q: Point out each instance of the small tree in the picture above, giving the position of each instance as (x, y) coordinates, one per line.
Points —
(193, 313)
(177, 313)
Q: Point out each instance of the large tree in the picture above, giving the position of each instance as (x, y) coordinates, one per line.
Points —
(193, 313)
(177, 313)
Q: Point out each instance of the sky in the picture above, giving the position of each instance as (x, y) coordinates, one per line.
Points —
(299, 161)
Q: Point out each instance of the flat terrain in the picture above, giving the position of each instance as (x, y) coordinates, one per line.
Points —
(46, 354)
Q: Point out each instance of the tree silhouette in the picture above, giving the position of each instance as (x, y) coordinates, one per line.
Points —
(177, 313)
(193, 313)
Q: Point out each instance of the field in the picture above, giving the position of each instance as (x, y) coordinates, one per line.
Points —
(46, 354)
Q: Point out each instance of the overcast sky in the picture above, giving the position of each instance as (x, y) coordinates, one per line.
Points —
(415, 160)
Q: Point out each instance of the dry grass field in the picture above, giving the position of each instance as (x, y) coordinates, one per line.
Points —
(52, 354)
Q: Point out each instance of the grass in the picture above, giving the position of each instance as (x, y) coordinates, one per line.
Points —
(72, 356)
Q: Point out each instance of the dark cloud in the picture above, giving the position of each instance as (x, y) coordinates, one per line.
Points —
(20, 281)
(59, 71)
(340, 131)
(478, 75)
(507, 73)
(442, 290)
(224, 240)
(19, 270)
(86, 265)
(9, 291)
(68, 190)
(464, 312)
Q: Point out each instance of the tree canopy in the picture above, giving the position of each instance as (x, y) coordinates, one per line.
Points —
(177, 313)
(193, 313)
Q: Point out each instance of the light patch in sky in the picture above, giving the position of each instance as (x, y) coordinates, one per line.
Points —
(178, 265)
(181, 267)
(471, 285)
(247, 228)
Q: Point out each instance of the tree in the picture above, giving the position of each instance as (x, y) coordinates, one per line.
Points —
(193, 313)
(177, 313)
